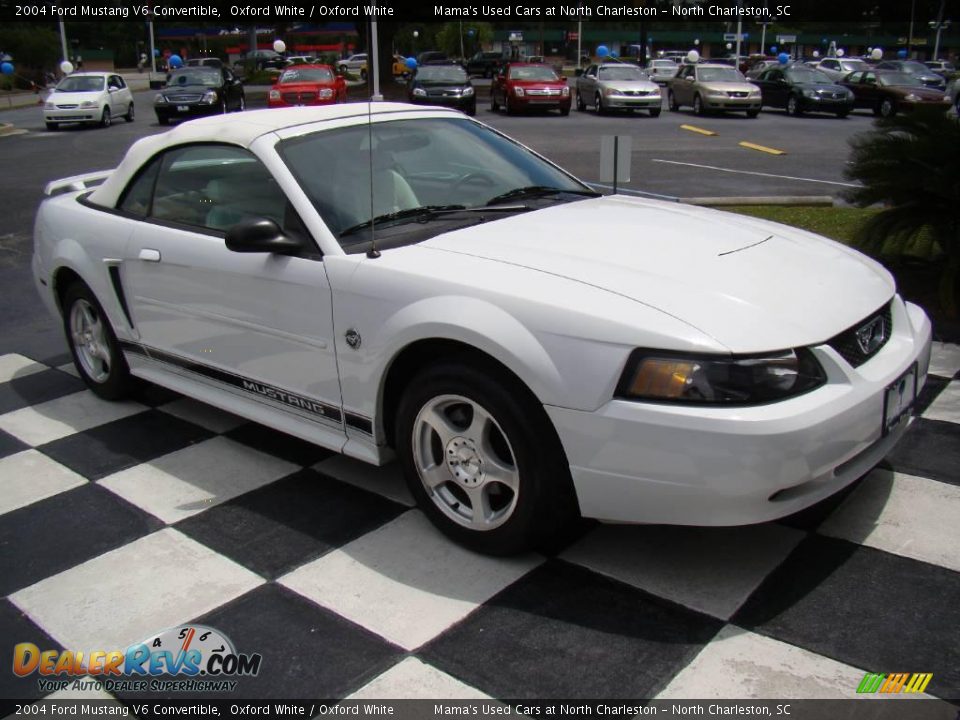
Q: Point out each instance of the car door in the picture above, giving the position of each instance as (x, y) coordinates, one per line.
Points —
(588, 86)
(683, 86)
(868, 90)
(852, 83)
(765, 81)
(232, 88)
(258, 325)
(114, 98)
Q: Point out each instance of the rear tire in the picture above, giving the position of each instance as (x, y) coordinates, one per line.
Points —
(93, 344)
(482, 459)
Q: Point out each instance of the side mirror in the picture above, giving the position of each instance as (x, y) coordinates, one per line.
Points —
(578, 72)
(261, 235)
(689, 78)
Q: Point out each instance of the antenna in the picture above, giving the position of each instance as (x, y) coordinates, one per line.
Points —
(372, 58)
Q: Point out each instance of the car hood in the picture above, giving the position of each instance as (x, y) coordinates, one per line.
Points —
(311, 86)
(751, 285)
(926, 93)
(724, 86)
(71, 98)
(199, 87)
(629, 85)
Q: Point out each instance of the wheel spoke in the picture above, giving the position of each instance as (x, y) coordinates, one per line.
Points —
(434, 476)
(480, 425)
(481, 511)
(495, 471)
(440, 424)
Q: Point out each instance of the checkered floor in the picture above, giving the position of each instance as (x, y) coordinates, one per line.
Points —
(118, 520)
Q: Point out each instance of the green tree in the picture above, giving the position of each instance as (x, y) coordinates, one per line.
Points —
(449, 37)
(910, 163)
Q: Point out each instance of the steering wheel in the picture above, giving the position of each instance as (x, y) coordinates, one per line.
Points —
(480, 177)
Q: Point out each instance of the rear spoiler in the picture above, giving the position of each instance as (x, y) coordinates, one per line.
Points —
(76, 182)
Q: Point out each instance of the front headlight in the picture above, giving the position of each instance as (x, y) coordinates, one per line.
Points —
(812, 94)
(210, 97)
(274, 94)
(655, 92)
(50, 106)
(610, 91)
(159, 99)
(419, 92)
(754, 93)
(719, 380)
(518, 91)
(88, 104)
(467, 91)
(912, 98)
(326, 93)
(716, 93)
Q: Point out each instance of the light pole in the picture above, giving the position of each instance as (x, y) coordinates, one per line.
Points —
(63, 41)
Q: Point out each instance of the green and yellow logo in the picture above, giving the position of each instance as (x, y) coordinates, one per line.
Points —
(894, 682)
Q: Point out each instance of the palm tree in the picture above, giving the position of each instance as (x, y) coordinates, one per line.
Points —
(910, 164)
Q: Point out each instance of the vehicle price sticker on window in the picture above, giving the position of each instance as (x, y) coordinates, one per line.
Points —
(899, 398)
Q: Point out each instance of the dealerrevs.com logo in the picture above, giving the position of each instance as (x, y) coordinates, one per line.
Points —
(188, 658)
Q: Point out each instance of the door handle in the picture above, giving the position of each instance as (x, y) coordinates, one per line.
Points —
(150, 255)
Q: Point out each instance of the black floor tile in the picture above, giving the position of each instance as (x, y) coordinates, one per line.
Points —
(286, 447)
(16, 628)
(10, 445)
(273, 529)
(123, 443)
(307, 651)
(930, 448)
(864, 607)
(52, 535)
(564, 632)
(36, 388)
(153, 395)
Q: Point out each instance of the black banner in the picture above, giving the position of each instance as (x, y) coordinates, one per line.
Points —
(877, 708)
(785, 12)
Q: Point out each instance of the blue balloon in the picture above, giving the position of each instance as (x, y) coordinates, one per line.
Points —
(175, 61)
(411, 63)
(471, 32)
(603, 51)
(783, 58)
(156, 52)
(6, 68)
(773, 49)
(901, 54)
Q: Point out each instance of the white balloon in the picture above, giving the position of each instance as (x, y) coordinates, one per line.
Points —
(816, 53)
(66, 67)
(693, 56)
(279, 46)
(877, 54)
(840, 53)
(729, 46)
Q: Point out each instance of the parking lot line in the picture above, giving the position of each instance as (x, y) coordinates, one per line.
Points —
(694, 128)
(761, 148)
(630, 191)
(751, 172)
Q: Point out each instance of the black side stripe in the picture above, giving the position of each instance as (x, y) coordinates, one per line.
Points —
(253, 387)
(358, 422)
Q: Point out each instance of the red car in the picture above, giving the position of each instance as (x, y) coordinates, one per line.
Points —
(307, 85)
(525, 86)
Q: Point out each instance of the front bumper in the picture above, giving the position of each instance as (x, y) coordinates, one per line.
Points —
(181, 111)
(458, 102)
(821, 104)
(714, 102)
(657, 463)
(73, 115)
(638, 102)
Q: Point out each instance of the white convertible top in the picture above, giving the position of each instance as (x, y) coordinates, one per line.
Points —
(237, 129)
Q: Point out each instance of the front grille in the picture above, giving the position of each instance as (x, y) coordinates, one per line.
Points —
(66, 107)
(302, 98)
(737, 93)
(636, 93)
(184, 98)
(846, 342)
(543, 91)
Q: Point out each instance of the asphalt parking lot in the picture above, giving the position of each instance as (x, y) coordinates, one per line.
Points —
(166, 511)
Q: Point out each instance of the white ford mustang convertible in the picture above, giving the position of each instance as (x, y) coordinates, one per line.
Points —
(408, 282)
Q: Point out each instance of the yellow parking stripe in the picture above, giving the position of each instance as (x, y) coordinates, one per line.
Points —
(694, 128)
(762, 148)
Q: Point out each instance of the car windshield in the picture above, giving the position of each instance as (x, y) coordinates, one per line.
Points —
(416, 164)
(853, 65)
(719, 75)
(81, 84)
(621, 73)
(899, 78)
(915, 68)
(663, 64)
(208, 77)
(808, 75)
(442, 74)
(301, 74)
(533, 72)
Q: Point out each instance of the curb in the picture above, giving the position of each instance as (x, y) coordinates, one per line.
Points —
(6, 129)
(760, 200)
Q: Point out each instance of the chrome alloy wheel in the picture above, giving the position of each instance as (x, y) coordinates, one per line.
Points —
(465, 462)
(90, 341)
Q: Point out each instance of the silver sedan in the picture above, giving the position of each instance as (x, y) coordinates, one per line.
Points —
(617, 86)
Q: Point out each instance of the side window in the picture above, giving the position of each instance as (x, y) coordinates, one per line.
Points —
(592, 71)
(216, 187)
(136, 196)
(113, 82)
(854, 77)
(120, 83)
(869, 78)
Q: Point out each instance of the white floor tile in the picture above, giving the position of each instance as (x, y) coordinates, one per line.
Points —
(125, 595)
(206, 416)
(64, 416)
(712, 570)
(945, 359)
(902, 514)
(14, 366)
(69, 369)
(413, 679)
(946, 406)
(386, 480)
(741, 664)
(29, 476)
(198, 477)
(405, 581)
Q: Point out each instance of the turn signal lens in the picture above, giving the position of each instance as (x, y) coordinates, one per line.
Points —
(660, 377)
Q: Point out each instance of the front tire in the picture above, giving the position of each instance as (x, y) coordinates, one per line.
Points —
(793, 106)
(598, 103)
(53, 126)
(482, 459)
(698, 105)
(672, 103)
(581, 105)
(752, 114)
(887, 108)
(129, 117)
(105, 119)
(494, 105)
(655, 112)
(93, 344)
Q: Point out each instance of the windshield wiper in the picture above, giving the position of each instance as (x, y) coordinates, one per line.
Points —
(532, 190)
(426, 212)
